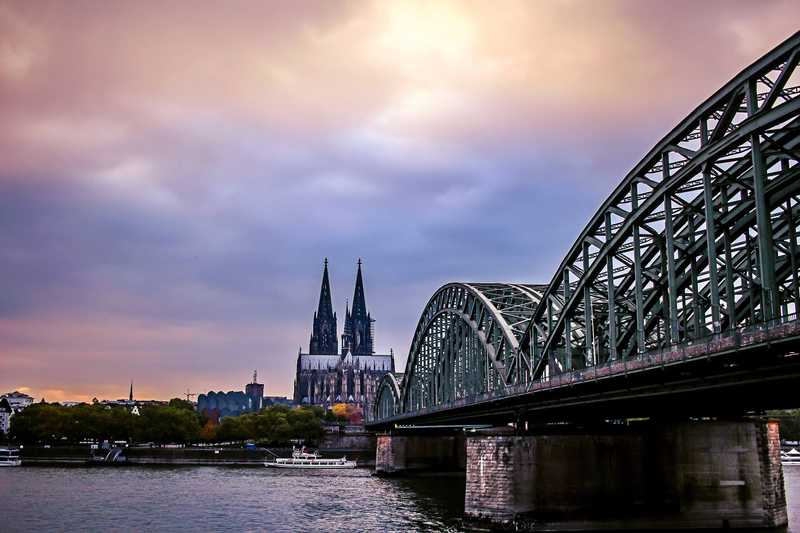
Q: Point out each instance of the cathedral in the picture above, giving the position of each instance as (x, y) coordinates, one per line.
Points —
(327, 375)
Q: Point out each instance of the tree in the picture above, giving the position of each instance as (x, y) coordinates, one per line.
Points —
(305, 424)
(209, 431)
(55, 423)
(351, 413)
(167, 425)
(274, 425)
(790, 423)
(178, 403)
(232, 428)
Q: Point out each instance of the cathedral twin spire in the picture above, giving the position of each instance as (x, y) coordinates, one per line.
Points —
(323, 333)
(357, 336)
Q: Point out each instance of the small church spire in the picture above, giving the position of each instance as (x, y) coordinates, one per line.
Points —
(130, 394)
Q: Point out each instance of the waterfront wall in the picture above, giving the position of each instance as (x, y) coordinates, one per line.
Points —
(354, 446)
(676, 475)
(350, 442)
(77, 455)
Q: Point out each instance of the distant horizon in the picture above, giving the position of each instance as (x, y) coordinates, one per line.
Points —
(174, 176)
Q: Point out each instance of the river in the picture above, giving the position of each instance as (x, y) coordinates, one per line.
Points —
(240, 499)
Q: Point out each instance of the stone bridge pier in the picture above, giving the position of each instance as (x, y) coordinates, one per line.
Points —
(400, 452)
(652, 476)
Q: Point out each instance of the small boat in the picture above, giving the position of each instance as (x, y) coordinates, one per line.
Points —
(114, 457)
(302, 459)
(792, 457)
(9, 457)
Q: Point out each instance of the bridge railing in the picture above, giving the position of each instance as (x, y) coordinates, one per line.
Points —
(716, 343)
(776, 329)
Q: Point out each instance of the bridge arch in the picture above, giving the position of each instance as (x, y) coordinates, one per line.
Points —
(699, 239)
(467, 342)
(387, 398)
(696, 248)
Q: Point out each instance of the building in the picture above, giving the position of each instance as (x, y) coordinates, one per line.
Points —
(18, 400)
(6, 412)
(277, 400)
(216, 405)
(10, 404)
(327, 375)
(255, 393)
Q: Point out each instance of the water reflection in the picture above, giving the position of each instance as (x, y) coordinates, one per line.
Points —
(223, 498)
(247, 499)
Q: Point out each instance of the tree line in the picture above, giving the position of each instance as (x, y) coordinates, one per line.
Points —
(790, 423)
(176, 423)
(273, 425)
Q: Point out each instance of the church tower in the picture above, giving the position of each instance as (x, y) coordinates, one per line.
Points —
(357, 336)
(323, 334)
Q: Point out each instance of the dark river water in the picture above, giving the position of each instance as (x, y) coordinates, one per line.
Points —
(223, 498)
(240, 499)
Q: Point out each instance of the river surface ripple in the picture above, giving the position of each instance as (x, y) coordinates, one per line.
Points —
(240, 499)
(223, 498)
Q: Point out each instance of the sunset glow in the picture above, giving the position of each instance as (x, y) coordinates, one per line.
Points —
(172, 176)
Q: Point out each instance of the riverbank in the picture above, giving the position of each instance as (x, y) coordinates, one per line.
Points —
(191, 456)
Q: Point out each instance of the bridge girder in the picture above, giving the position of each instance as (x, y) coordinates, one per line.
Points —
(387, 398)
(467, 342)
(695, 240)
(698, 241)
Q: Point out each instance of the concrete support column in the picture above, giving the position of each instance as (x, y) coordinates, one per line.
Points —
(402, 453)
(666, 475)
(554, 477)
(499, 477)
(772, 488)
(718, 474)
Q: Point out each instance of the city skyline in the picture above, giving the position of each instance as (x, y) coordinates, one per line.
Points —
(168, 191)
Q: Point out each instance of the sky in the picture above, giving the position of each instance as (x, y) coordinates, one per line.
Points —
(172, 174)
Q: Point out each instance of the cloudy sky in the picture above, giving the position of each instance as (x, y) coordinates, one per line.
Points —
(172, 174)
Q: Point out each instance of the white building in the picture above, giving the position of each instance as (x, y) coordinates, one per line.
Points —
(6, 412)
(18, 400)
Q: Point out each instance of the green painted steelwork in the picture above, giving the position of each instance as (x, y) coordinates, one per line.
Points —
(699, 239)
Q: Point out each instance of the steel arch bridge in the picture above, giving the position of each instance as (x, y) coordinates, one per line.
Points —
(467, 343)
(695, 247)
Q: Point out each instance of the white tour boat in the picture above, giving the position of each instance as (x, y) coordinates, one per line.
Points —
(302, 459)
(9, 457)
(792, 457)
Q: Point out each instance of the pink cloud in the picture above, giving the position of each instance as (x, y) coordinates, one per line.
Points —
(172, 175)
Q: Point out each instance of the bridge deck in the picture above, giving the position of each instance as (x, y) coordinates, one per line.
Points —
(751, 368)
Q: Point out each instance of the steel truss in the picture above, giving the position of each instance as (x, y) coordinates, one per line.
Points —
(466, 343)
(699, 239)
(388, 398)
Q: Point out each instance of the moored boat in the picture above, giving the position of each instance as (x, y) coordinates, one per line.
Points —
(792, 457)
(10, 457)
(302, 459)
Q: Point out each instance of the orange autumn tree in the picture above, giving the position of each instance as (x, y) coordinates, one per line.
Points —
(209, 431)
(353, 413)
